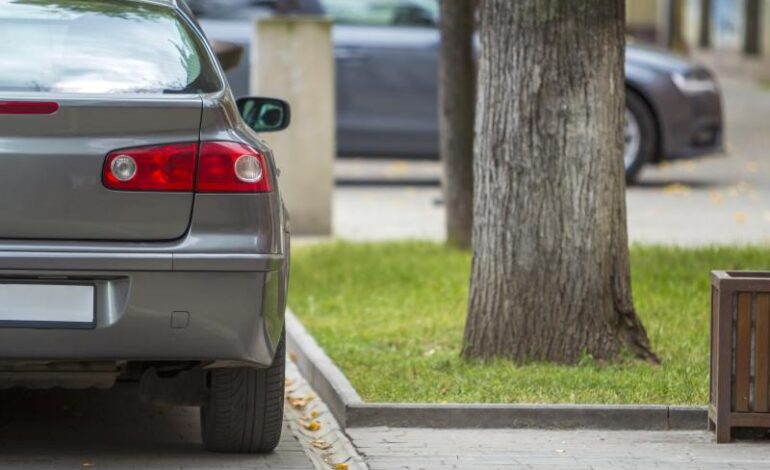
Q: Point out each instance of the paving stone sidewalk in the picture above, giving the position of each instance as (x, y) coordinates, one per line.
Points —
(718, 200)
(113, 429)
(397, 449)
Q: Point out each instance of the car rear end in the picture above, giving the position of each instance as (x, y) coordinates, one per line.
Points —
(141, 230)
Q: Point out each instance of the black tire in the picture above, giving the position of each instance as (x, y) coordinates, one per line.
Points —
(649, 135)
(244, 410)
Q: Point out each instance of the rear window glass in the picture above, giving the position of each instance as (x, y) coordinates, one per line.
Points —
(92, 46)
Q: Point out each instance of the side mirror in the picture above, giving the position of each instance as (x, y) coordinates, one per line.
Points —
(265, 114)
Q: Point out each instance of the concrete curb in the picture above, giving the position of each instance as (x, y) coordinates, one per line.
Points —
(322, 374)
(350, 410)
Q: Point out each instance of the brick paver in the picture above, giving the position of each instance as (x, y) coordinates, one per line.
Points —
(113, 429)
(394, 449)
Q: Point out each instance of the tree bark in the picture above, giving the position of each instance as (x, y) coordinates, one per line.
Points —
(751, 36)
(704, 31)
(457, 79)
(550, 276)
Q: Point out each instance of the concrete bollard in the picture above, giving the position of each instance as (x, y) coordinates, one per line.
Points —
(292, 58)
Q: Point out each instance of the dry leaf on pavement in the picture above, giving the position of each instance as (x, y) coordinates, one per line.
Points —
(320, 444)
(310, 425)
(299, 402)
(676, 189)
(341, 466)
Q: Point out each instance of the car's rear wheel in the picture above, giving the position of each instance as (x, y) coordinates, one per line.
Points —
(640, 136)
(244, 409)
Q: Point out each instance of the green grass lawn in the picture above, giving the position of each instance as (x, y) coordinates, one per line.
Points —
(391, 315)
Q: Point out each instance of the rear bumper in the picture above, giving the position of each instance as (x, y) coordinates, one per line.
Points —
(169, 262)
(156, 307)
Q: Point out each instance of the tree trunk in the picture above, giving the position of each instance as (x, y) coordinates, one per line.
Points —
(550, 277)
(751, 35)
(704, 31)
(457, 79)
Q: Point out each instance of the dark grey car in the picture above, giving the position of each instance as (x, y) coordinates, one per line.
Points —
(386, 63)
(142, 233)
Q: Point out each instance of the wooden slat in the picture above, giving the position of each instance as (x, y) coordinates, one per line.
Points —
(743, 353)
(724, 336)
(762, 353)
(750, 420)
(713, 371)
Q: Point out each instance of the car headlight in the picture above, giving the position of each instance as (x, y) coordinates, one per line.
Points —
(694, 81)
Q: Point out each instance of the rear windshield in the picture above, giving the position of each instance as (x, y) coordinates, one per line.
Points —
(93, 46)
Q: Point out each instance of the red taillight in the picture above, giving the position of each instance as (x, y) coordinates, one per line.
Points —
(157, 168)
(28, 107)
(230, 167)
(223, 167)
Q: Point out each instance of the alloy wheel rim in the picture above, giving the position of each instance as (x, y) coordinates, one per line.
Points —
(632, 134)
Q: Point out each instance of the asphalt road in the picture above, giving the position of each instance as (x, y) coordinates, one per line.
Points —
(718, 200)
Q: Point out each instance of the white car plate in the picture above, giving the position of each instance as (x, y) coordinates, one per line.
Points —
(47, 305)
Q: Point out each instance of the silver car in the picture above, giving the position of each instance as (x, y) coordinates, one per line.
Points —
(142, 232)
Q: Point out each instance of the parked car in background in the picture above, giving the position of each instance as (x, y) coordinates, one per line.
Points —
(386, 54)
(142, 232)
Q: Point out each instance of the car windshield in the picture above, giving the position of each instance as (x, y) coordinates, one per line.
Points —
(92, 46)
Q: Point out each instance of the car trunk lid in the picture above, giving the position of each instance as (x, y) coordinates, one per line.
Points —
(51, 166)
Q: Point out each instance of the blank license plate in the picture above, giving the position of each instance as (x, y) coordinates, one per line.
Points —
(47, 305)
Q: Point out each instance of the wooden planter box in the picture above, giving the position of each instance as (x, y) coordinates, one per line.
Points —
(740, 352)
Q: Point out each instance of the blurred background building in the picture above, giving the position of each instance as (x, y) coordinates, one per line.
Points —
(730, 26)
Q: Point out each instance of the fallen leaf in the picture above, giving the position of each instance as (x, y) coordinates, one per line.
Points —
(292, 356)
(399, 168)
(676, 189)
(299, 402)
(739, 217)
(310, 425)
(314, 414)
(341, 466)
(288, 382)
(320, 444)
